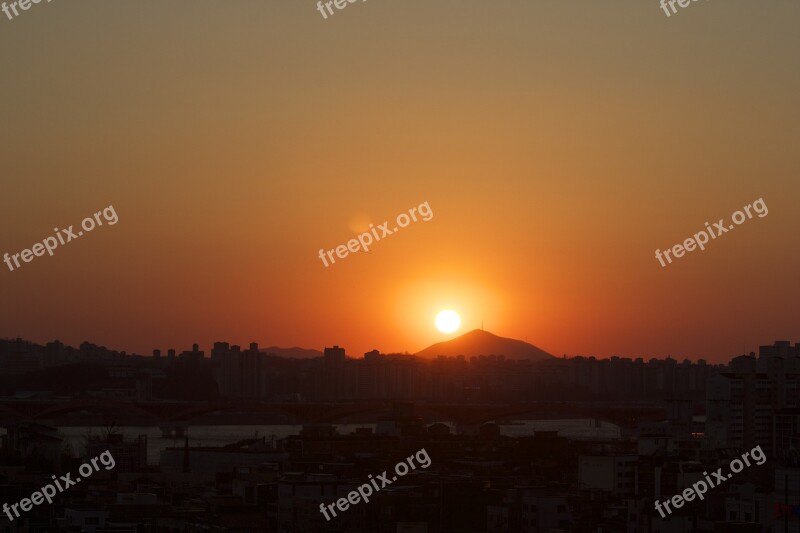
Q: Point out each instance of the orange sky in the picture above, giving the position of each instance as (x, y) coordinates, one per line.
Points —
(557, 143)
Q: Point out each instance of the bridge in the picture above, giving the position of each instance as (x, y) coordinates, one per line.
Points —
(174, 417)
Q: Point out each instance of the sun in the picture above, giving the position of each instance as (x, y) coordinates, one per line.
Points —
(448, 321)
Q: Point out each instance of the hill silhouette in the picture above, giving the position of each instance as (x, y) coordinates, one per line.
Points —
(292, 353)
(479, 342)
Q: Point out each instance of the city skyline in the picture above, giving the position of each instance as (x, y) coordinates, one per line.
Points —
(399, 267)
(309, 352)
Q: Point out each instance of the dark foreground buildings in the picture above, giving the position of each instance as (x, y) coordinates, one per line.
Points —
(695, 420)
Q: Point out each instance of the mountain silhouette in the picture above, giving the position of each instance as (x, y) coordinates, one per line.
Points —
(292, 353)
(479, 342)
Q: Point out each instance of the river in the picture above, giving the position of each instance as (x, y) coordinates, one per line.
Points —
(220, 435)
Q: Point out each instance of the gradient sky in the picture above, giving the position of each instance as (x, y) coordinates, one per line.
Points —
(557, 143)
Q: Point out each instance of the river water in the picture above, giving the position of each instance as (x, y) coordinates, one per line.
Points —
(75, 436)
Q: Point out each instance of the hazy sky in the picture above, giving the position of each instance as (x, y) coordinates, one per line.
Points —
(557, 143)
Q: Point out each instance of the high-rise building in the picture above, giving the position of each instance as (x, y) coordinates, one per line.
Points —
(239, 374)
(742, 404)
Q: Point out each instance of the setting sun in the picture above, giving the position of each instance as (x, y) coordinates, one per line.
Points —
(448, 321)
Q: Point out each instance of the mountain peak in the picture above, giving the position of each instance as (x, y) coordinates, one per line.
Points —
(480, 342)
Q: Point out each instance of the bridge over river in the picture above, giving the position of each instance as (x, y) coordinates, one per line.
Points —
(174, 417)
